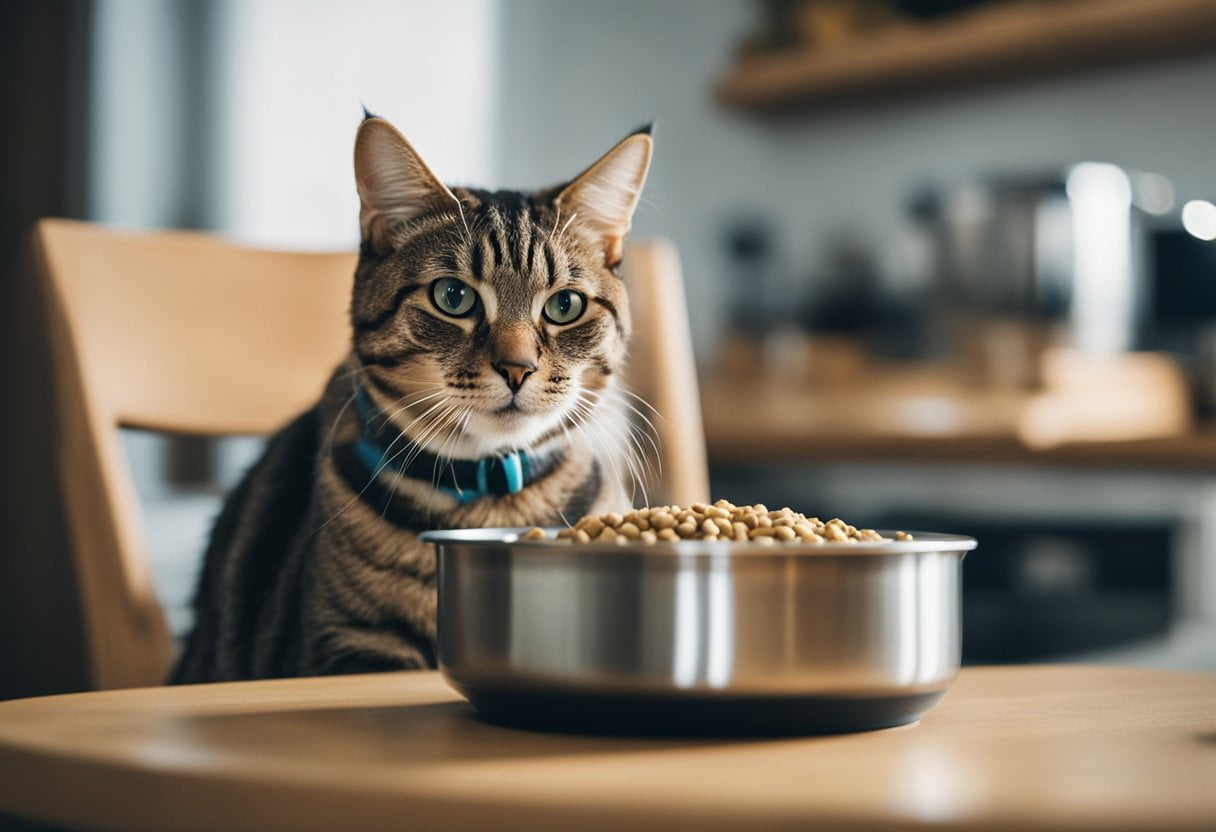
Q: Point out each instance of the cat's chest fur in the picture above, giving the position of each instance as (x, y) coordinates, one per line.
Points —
(370, 520)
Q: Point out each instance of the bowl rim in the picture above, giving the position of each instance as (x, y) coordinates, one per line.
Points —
(511, 536)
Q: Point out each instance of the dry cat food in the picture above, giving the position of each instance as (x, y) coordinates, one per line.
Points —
(721, 521)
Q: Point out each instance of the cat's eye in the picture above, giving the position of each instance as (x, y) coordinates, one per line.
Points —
(564, 307)
(453, 297)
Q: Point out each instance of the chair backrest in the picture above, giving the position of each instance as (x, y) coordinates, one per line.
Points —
(662, 370)
(170, 331)
(184, 332)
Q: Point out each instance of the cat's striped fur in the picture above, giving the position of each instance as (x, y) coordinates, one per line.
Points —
(314, 565)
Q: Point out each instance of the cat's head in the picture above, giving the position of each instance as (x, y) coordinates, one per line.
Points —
(493, 318)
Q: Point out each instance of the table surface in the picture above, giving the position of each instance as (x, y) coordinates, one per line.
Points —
(1041, 747)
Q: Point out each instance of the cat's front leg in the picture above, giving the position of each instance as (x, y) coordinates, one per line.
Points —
(348, 649)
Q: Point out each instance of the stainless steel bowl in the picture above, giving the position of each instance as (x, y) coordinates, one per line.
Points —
(698, 636)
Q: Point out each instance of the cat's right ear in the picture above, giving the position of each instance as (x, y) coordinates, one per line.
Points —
(395, 185)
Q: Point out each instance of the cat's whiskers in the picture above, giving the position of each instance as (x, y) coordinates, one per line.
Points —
(620, 434)
(603, 446)
(439, 420)
(653, 463)
(333, 429)
(638, 465)
(642, 401)
(416, 443)
(429, 433)
(608, 424)
(644, 201)
(361, 370)
(468, 235)
(562, 234)
(403, 434)
(390, 419)
(604, 451)
(651, 434)
(441, 459)
(453, 431)
(437, 424)
(443, 446)
(375, 473)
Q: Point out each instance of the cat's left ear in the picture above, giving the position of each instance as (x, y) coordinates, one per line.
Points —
(604, 196)
(395, 185)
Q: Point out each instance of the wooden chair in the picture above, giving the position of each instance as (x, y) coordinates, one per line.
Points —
(663, 372)
(176, 332)
(183, 332)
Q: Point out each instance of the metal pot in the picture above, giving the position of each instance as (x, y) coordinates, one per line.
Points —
(698, 636)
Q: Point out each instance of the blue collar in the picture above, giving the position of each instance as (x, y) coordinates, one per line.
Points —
(465, 480)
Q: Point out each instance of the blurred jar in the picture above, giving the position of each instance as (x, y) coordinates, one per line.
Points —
(1061, 251)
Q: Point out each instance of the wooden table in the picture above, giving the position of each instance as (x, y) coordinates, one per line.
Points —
(1055, 747)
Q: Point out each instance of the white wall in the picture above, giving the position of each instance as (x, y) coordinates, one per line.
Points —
(291, 76)
(240, 115)
(135, 144)
(576, 75)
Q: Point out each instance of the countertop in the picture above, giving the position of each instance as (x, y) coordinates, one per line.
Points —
(776, 423)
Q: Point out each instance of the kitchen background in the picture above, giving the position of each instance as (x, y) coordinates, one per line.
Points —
(913, 303)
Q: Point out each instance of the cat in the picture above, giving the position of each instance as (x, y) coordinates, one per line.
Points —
(481, 389)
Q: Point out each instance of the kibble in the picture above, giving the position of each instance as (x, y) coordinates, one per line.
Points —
(662, 520)
(721, 521)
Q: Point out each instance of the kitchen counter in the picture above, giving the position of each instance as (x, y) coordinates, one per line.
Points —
(1027, 748)
(772, 423)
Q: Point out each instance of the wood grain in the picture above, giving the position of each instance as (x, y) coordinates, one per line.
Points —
(662, 371)
(761, 423)
(171, 331)
(1056, 747)
(1012, 41)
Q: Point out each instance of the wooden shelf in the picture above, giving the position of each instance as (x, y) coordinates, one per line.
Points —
(1001, 44)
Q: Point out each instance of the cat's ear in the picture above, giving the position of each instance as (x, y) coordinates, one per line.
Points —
(395, 185)
(604, 196)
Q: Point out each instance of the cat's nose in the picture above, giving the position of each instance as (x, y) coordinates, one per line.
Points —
(515, 372)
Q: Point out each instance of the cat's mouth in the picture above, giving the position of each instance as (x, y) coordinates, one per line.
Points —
(512, 423)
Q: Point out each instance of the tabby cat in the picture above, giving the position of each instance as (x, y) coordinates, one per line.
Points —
(488, 329)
